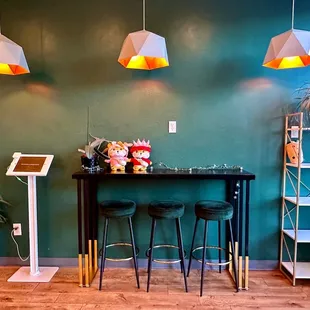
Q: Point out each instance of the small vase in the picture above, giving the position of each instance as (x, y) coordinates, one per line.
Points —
(90, 164)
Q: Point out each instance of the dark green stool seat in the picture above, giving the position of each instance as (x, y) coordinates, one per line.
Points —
(166, 209)
(212, 210)
(118, 208)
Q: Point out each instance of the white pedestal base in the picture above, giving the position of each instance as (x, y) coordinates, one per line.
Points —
(23, 275)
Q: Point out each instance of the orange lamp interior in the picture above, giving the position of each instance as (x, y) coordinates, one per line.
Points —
(144, 62)
(12, 69)
(289, 62)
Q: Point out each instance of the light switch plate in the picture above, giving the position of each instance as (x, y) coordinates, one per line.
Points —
(172, 126)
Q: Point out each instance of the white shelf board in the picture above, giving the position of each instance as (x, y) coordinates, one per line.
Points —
(303, 236)
(303, 201)
(302, 269)
(303, 128)
(303, 165)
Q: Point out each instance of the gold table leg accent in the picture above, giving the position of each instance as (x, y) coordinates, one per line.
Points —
(80, 258)
(86, 271)
(90, 261)
(230, 260)
(246, 273)
(96, 255)
(240, 278)
(236, 257)
(236, 251)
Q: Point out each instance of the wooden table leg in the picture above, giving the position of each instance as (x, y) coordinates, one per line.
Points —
(80, 226)
(229, 198)
(240, 260)
(247, 232)
(93, 229)
(95, 223)
(235, 222)
(90, 233)
(86, 231)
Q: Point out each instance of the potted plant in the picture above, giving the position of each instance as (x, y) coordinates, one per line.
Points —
(90, 158)
(301, 103)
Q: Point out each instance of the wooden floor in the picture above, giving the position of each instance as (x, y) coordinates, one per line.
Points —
(268, 290)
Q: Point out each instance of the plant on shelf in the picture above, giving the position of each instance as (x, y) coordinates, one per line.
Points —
(4, 217)
(301, 103)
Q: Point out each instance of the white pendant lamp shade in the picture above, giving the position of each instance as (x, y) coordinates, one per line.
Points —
(12, 58)
(144, 50)
(289, 50)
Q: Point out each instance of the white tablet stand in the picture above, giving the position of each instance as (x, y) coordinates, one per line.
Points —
(32, 166)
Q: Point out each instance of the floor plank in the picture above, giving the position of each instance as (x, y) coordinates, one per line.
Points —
(28, 297)
(7, 272)
(269, 290)
(15, 286)
(256, 301)
(38, 306)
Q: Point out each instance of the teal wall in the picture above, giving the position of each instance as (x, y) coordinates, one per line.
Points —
(229, 109)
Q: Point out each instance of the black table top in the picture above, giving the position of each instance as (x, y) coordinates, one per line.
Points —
(215, 174)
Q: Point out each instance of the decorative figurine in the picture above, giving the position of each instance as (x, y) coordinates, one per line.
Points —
(118, 154)
(141, 151)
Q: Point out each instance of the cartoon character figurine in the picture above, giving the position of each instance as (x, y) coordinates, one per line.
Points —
(140, 151)
(118, 154)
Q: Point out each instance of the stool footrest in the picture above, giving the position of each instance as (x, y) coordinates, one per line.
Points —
(163, 261)
(119, 259)
(210, 263)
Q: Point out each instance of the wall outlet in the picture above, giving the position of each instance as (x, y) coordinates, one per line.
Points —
(172, 127)
(17, 229)
(294, 132)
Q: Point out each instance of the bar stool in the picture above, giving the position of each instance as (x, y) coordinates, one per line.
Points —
(172, 210)
(118, 209)
(210, 210)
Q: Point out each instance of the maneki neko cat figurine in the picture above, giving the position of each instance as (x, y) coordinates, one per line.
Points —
(141, 151)
(118, 154)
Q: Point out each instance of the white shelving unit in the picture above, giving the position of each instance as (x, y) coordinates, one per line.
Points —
(302, 165)
(292, 205)
(303, 201)
(303, 236)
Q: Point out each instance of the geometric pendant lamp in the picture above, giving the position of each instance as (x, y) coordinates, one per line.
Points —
(290, 49)
(144, 50)
(12, 58)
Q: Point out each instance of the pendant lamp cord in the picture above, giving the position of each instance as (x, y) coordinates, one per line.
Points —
(293, 13)
(143, 14)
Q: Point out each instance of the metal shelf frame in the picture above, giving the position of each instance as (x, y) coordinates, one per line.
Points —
(291, 205)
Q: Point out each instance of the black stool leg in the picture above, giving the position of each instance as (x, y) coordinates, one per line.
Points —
(203, 256)
(181, 252)
(149, 269)
(192, 247)
(103, 250)
(134, 255)
(150, 245)
(233, 255)
(220, 252)
(179, 245)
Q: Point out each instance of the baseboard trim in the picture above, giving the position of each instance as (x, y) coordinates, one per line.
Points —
(73, 262)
